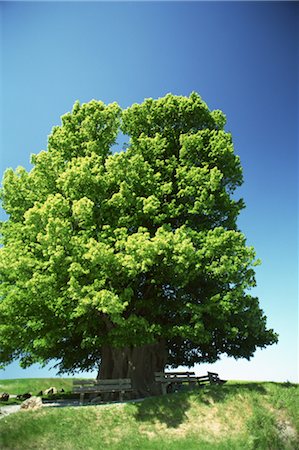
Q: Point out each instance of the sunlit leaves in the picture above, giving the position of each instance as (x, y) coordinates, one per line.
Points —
(90, 128)
(131, 247)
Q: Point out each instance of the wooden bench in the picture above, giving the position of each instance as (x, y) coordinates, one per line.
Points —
(214, 378)
(170, 381)
(211, 378)
(120, 386)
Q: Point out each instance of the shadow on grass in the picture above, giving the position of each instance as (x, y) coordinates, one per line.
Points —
(221, 393)
(171, 409)
(287, 384)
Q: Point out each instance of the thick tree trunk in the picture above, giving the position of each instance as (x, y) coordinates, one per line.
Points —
(137, 363)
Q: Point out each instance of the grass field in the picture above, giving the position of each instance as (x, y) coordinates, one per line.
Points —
(34, 385)
(235, 416)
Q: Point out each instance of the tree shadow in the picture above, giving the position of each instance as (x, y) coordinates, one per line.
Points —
(219, 393)
(171, 409)
(287, 384)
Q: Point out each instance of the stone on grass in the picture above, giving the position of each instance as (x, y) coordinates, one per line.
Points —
(51, 390)
(4, 396)
(24, 396)
(32, 403)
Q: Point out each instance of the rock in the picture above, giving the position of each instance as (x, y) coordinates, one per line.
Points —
(24, 396)
(32, 403)
(9, 409)
(4, 396)
(51, 390)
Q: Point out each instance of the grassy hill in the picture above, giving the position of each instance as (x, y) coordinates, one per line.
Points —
(34, 385)
(235, 416)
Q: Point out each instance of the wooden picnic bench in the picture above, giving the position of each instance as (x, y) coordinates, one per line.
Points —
(172, 381)
(120, 386)
(211, 377)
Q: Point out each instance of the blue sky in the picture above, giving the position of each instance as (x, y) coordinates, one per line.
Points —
(241, 57)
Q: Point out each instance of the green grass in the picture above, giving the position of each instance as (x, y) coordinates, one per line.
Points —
(235, 416)
(34, 385)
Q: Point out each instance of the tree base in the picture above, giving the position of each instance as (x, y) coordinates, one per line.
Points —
(137, 363)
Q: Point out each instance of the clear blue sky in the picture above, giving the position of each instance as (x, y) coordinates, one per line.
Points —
(240, 57)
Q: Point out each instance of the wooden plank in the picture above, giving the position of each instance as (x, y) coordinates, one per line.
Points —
(169, 374)
(113, 386)
(119, 381)
(178, 374)
(171, 377)
(81, 398)
(83, 382)
(114, 389)
(107, 381)
(175, 375)
(178, 380)
(110, 388)
(105, 386)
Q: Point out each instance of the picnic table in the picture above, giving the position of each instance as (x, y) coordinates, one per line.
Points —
(173, 381)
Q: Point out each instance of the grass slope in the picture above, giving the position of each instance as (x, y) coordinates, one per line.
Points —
(34, 385)
(259, 416)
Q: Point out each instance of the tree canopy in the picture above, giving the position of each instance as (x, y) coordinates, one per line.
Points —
(128, 249)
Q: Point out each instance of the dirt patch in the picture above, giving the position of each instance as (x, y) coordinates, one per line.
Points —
(287, 431)
(200, 420)
(285, 428)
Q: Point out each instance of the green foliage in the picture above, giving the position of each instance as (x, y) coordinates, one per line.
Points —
(128, 248)
(230, 417)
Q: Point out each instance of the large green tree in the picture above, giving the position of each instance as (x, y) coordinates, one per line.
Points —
(129, 261)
